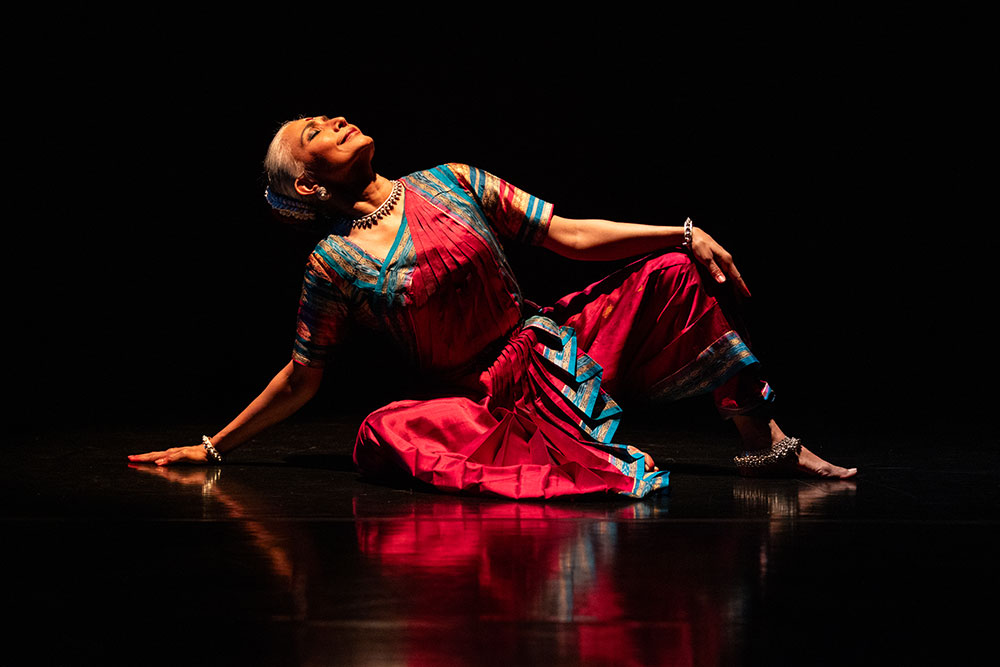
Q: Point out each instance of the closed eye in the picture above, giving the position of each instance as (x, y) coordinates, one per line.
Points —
(310, 130)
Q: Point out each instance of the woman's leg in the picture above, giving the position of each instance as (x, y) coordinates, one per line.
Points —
(657, 328)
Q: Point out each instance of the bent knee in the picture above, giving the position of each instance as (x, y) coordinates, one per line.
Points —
(671, 260)
(673, 270)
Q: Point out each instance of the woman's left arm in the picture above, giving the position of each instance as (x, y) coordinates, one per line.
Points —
(602, 240)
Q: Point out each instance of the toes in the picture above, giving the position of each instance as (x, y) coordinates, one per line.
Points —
(841, 473)
(835, 471)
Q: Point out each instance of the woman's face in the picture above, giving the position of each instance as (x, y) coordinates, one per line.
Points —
(329, 147)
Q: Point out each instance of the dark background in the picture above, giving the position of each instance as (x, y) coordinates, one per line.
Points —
(837, 162)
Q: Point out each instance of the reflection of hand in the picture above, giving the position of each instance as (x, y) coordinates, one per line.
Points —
(192, 454)
(716, 259)
(190, 476)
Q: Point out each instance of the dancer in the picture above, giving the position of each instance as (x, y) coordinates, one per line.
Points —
(518, 400)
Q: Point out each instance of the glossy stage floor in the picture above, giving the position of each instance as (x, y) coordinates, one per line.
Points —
(285, 556)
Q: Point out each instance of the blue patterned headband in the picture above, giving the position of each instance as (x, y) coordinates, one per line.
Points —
(289, 207)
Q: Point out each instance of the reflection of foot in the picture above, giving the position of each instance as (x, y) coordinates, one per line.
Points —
(783, 499)
(788, 458)
(813, 496)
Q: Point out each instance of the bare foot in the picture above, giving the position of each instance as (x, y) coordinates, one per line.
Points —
(813, 466)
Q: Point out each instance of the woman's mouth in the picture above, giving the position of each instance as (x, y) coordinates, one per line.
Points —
(348, 134)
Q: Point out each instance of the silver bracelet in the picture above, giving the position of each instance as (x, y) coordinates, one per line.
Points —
(213, 455)
(688, 232)
(784, 450)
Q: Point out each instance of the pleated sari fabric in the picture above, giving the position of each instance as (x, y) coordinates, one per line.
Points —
(523, 405)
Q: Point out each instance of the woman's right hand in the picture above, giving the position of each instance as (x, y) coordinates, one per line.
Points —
(716, 260)
(191, 454)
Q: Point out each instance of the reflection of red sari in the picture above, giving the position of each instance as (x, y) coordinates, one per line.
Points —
(525, 412)
(455, 567)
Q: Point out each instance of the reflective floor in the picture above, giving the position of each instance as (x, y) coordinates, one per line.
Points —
(287, 557)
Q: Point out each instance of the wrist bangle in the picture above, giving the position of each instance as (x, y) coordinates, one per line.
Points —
(213, 455)
(688, 232)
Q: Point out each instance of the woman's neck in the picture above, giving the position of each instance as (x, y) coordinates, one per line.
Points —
(374, 195)
(362, 198)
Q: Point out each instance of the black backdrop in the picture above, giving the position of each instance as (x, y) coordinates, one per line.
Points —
(149, 281)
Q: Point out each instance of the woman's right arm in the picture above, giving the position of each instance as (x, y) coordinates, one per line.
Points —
(290, 389)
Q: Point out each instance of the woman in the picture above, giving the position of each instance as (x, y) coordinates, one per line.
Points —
(520, 397)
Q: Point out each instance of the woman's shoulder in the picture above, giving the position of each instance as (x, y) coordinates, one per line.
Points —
(450, 173)
(338, 263)
(449, 177)
(450, 170)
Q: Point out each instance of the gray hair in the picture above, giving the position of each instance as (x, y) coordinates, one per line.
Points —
(281, 166)
(282, 169)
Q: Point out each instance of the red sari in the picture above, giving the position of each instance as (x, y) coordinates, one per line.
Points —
(523, 409)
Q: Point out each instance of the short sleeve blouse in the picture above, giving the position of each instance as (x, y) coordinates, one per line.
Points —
(342, 288)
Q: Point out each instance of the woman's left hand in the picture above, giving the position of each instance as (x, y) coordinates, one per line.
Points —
(716, 259)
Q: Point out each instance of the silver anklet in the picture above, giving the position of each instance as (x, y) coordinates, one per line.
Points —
(780, 452)
(213, 455)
